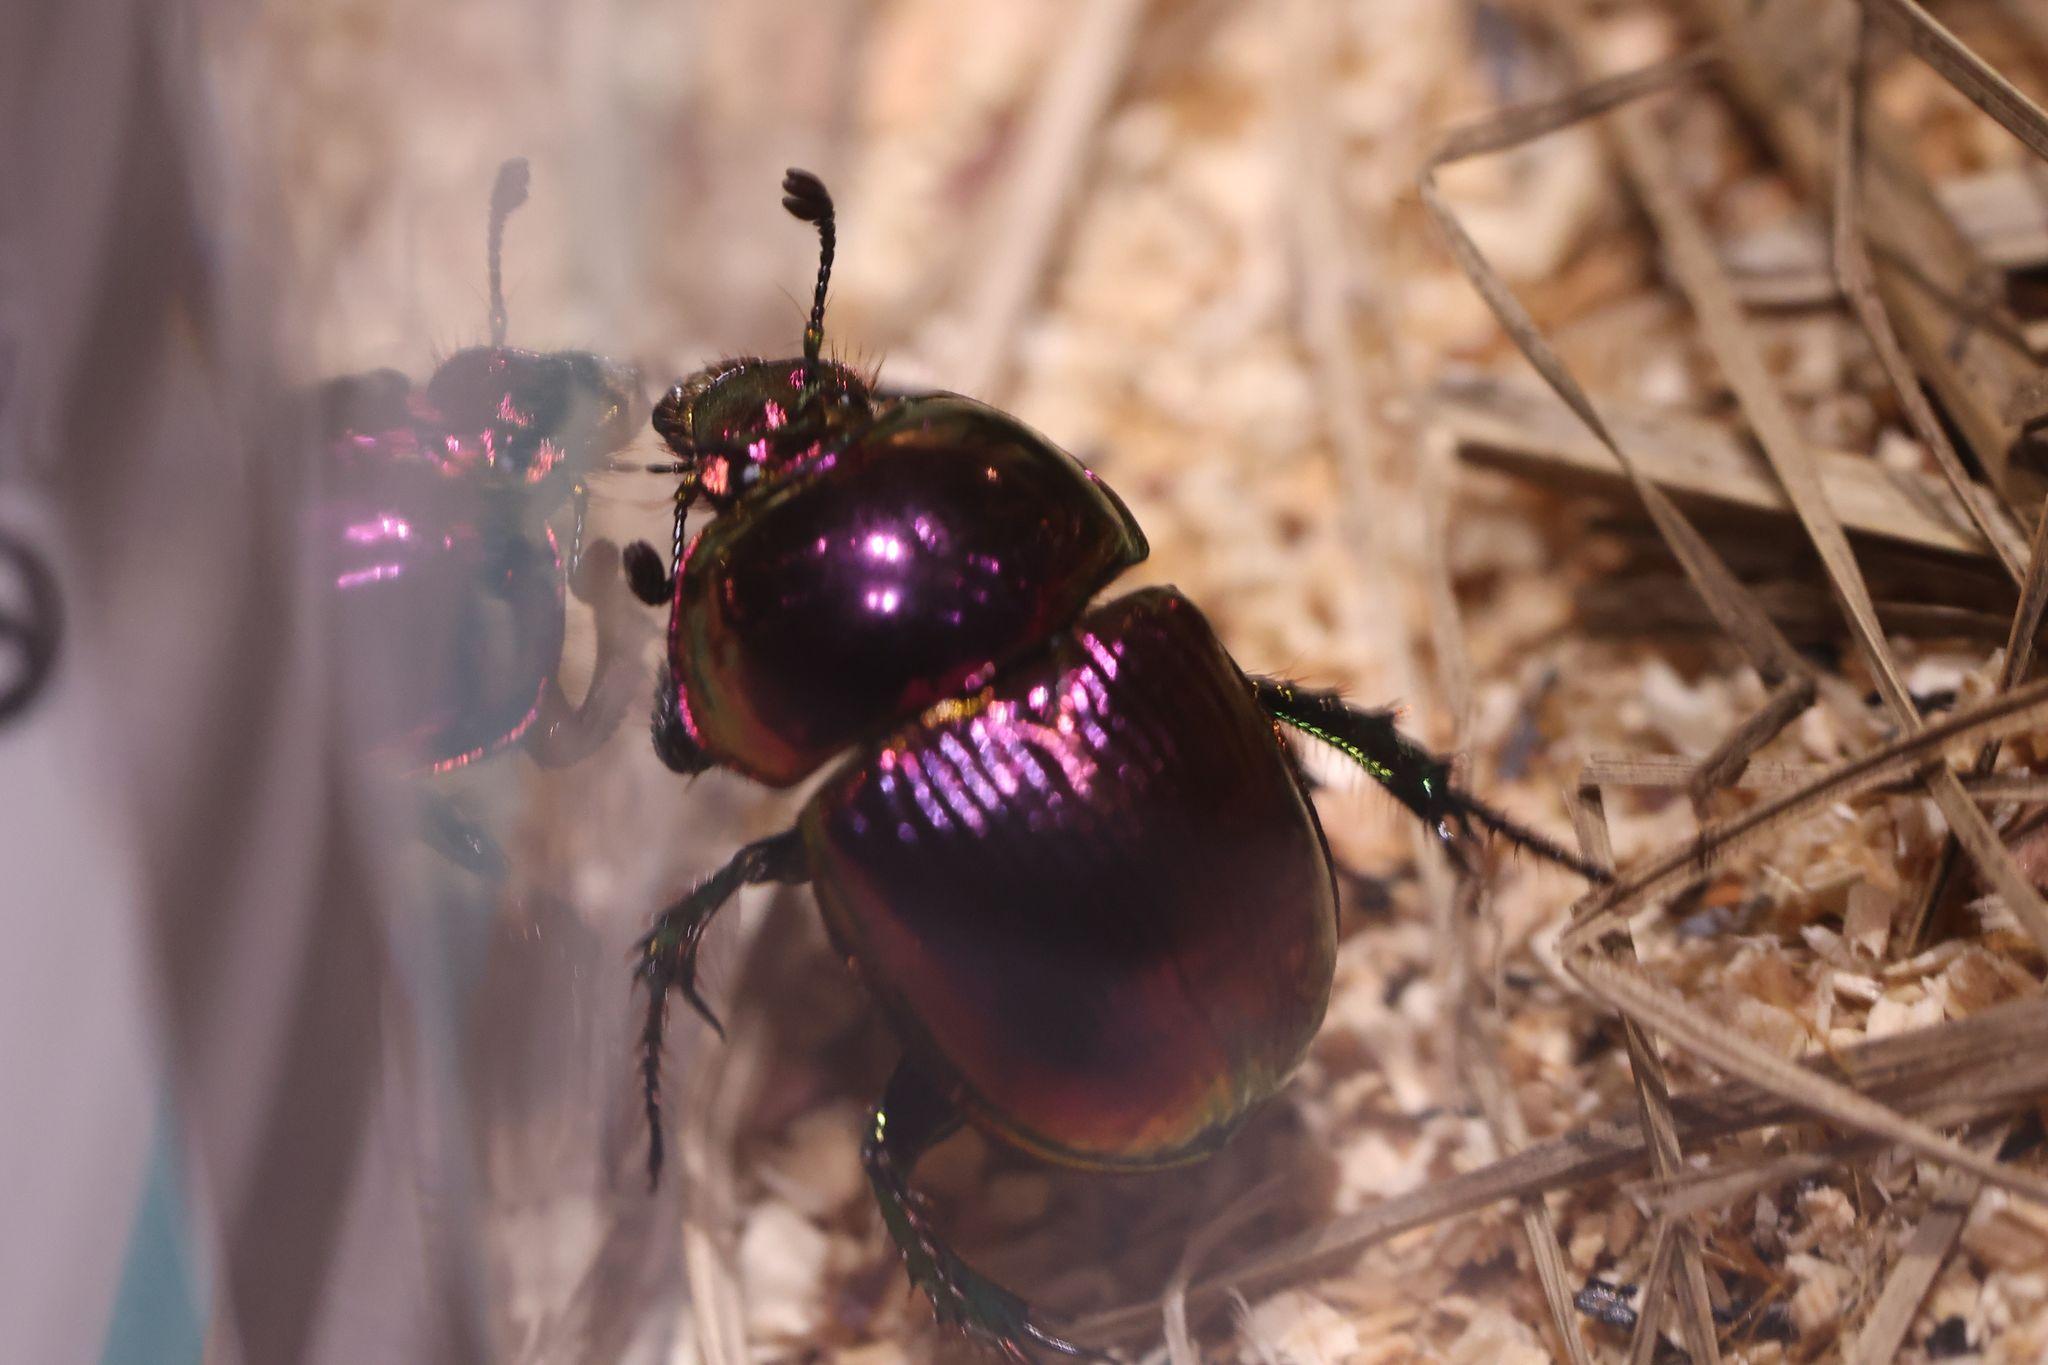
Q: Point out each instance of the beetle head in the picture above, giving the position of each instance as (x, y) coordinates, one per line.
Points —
(515, 418)
(523, 417)
(734, 422)
(738, 421)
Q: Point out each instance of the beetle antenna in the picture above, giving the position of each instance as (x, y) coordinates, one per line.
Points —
(806, 197)
(507, 194)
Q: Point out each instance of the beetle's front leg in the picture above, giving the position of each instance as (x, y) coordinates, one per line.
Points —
(914, 1116)
(666, 956)
(566, 733)
(652, 581)
(1417, 778)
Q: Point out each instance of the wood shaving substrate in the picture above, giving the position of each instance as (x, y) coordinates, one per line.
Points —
(1169, 353)
(1236, 326)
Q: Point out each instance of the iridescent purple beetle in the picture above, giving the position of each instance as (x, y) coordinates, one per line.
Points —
(435, 526)
(1068, 849)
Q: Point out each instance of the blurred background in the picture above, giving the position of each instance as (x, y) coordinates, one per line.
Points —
(313, 1053)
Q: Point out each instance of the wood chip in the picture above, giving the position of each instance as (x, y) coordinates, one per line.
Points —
(1927, 269)
(1951, 1072)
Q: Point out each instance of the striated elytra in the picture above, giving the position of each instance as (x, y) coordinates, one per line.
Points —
(1068, 850)
(1095, 895)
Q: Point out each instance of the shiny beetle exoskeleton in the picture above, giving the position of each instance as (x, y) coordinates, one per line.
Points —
(434, 533)
(1066, 848)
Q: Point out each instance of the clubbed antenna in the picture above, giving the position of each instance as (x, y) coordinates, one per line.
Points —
(507, 194)
(805, 196)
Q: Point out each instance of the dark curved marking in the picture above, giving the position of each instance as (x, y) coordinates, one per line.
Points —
(35, 633)
(566, 733)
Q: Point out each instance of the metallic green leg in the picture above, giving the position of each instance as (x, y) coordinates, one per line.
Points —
(1414, 776)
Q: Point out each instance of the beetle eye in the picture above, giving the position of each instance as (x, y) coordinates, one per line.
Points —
(671, 419)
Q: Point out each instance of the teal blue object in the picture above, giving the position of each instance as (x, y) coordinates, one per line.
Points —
(157, 1318)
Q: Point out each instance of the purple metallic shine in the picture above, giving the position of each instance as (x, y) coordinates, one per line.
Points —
(518, 415)
(885, 575)
(1098, 896)
(448, 590)
(451, 632)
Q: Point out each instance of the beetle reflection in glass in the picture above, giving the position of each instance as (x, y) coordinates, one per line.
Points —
(1069, 850)
(435, 531)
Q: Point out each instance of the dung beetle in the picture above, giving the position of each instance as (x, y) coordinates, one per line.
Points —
(1068, 848)
(435, 530)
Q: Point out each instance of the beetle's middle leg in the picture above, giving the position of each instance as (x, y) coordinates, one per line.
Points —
(667, 956)
(1417, 778)
(914, 1116)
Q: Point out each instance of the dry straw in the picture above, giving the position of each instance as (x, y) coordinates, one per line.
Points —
(1901, 1091)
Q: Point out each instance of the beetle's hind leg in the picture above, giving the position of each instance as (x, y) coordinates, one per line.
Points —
(914, 1116)
(1417, 778)
(666, 956)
